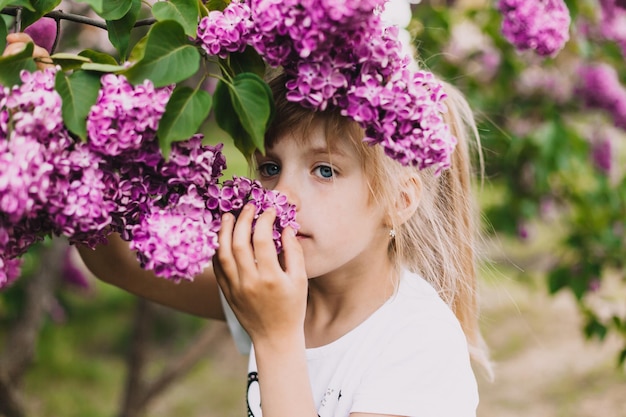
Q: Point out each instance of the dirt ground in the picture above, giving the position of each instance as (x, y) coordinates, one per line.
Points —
(544, 366)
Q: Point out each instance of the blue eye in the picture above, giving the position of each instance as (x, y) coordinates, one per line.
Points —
(324, 171)
(269, 169)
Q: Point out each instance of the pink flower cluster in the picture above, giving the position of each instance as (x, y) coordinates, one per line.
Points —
(540, 25)
(117, 181)
(600, 87)
(613, 22)
(340, 55)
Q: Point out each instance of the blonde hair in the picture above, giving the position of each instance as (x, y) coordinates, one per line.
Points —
(439, 241)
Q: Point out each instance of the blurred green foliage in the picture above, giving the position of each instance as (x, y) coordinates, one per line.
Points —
(537, 137)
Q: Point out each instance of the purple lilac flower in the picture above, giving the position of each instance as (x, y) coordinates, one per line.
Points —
(10, 270)
(223, 32)
(600, 88)
(191, 162)
(125, 117)
(71, 273)
(602, 153)
(240, 191)
(35, 106)
(24, 177)
(613, 22)
(332, 52)
(541, 25)
(177, 241)
(405, 117)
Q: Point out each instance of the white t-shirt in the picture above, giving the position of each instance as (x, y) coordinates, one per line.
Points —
(409, 358)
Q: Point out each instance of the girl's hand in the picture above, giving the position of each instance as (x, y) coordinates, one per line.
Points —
(16, 42)
(268, 300)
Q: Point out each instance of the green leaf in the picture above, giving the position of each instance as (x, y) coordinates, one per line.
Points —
(119, 30)
(98, 57)
(40, 8)
(185, 111)
(10, 66)
(96, 5)
(250, 99)
(184, 12)
(247, 61)
(3, 34)
(79, 92)
(558, 278)
(224, 116)
(217, 4)
(69, 61)
(19, 3)
(139, 50)
(169, 56)
(115, 9)
(102, 67)
(109, 9)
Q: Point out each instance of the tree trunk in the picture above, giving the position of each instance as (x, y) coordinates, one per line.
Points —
(21, 342)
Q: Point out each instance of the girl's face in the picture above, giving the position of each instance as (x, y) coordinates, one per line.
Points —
(340, 228)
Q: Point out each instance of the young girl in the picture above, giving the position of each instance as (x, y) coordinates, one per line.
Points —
(371, 308)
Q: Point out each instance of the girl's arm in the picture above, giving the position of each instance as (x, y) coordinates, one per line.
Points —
(270, 302)
(116, 264)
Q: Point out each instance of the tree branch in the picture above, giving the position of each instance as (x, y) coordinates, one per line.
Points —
(60, 15)
(136, 359)
(181, 365)
(21, 341)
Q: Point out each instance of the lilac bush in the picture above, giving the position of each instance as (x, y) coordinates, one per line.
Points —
(539, 25)
(340, 55)
(600, 87)
(51, 184)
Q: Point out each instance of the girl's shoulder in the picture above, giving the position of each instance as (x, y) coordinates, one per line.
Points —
(418, 300)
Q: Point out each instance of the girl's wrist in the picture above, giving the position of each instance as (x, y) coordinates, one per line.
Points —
(279, 345)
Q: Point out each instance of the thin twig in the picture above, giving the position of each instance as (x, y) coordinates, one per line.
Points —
(60, 15)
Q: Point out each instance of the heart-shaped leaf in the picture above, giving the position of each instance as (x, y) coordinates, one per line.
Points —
(19, 3)
(38, 9)
(12, 65)
(184, 12)
(184, 113)
(109, 9)
(168, 58)
(119, 30)
(250, 99)
(79, 92)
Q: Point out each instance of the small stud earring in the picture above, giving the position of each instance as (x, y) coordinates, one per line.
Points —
(392, 233)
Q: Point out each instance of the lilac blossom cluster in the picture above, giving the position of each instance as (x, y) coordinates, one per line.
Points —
(600, 87)
(613, 22)
(540, 25)
(117, 181)
(340, 55)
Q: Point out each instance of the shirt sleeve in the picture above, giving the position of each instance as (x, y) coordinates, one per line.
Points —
(240, 336)
(424, 371)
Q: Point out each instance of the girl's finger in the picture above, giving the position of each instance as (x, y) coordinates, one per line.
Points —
(241, 246)
(226, 268)
(14, 48)
(292, 253)
(19, 37)
(264, 247)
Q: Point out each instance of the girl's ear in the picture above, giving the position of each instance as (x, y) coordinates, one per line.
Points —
(407, 199)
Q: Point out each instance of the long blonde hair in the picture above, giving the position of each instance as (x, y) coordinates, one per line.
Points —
(439, 241)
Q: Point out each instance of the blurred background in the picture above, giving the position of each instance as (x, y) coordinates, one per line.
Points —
(552, 283)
